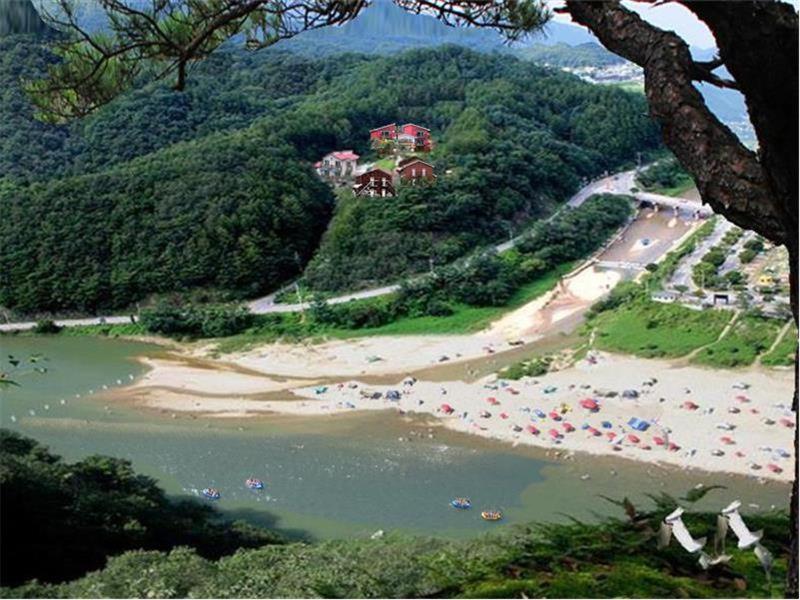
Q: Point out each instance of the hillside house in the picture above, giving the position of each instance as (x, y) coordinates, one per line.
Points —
(408, 137)
(419, 136)
(387, 132)
(340, 164)
(412, 170)
(375, 183)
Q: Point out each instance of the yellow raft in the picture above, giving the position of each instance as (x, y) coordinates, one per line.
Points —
(491, 515)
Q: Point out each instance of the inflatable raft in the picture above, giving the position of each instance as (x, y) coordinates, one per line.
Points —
(211, 493)
(462, 503)
(491, 515)
(254, 484)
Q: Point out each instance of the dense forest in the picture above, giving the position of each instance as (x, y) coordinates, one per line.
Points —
(62, 520)
(212, 190)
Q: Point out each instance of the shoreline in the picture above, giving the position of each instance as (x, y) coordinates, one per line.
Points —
(177, 387)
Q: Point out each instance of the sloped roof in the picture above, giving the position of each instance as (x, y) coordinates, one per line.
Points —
(344, 155)
(415, 125)
(384, 127)
(412, 160)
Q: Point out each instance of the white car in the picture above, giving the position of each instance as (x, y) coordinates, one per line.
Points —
(726, 426)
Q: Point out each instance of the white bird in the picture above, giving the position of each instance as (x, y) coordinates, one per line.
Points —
(746, 537)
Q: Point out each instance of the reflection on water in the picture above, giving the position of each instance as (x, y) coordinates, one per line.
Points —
(328, 476)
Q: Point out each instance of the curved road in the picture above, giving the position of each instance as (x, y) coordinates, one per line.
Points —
(619, 183)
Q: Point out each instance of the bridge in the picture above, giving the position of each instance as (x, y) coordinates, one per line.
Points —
(679, 204)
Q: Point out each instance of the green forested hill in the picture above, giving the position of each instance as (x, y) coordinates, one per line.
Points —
(212, 188)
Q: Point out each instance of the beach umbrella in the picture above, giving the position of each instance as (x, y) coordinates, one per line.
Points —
(611, 435)
(590, 405)
(539, 413)
(734, 410)
(554, 434)
(446, 408)
(585, 426)
(726, 440)
(673, 447)
(689, 405)
(742, 399)
(658, 441)
(568, 427)
(492, 400)
(645, 447)
(532, 429)
(503, 415)
(786, 422)
(774, 468)
(555, 416)
(740, 454)
(485, 414)
(633, 439)
(593, 431)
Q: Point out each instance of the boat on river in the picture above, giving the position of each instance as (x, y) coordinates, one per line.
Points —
(491, 515)
(462, 503)
(211, 493)
(254, 484)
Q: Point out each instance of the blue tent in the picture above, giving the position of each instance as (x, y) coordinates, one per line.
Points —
(638, 424)
(606, 425)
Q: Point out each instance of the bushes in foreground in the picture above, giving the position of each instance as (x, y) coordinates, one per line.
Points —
(60, 520)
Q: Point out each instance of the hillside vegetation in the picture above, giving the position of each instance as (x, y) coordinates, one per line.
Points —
(212, 190)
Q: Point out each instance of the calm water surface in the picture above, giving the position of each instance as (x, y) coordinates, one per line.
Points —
(329, 476)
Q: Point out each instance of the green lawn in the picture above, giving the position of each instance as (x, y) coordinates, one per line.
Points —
(387, 164)
(652, 329)
(748, 338)
(783, 355)
(676, 191)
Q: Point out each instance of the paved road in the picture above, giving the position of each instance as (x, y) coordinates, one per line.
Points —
(619, 183)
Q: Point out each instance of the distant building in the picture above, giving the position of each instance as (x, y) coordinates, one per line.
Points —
(387, 132)
(413, 169)
(420, 136)
(408, 137)
(340, 164)
(375, 183)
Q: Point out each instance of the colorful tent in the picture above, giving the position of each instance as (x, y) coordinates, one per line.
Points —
(590, 404)
(638, 424)
(633, 439)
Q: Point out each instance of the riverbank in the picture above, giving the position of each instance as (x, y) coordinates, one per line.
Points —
(701, 414)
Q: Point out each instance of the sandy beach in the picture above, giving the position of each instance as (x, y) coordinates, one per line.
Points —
(738, 422)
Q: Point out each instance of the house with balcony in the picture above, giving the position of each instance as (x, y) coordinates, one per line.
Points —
(375, 183)
(340, 164)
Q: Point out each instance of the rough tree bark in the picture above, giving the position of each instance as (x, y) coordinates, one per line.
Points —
(758, 44)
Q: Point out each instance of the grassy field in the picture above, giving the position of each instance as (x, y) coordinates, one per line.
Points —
(652, 329)
(749, 337)
(783, 355)
(676, 191)
(387, 164)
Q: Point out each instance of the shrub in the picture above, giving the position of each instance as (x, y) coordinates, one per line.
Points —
(46, 326)
(747, 255)
(218, 320)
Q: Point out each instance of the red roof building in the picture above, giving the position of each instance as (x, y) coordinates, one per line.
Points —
(340, 164)
(421, 136)
(387, 132)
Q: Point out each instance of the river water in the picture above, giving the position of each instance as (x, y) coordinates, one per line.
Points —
(328, 476)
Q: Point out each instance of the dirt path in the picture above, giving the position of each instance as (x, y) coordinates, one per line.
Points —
(722, 334)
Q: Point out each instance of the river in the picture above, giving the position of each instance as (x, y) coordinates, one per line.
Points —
(327, 476)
